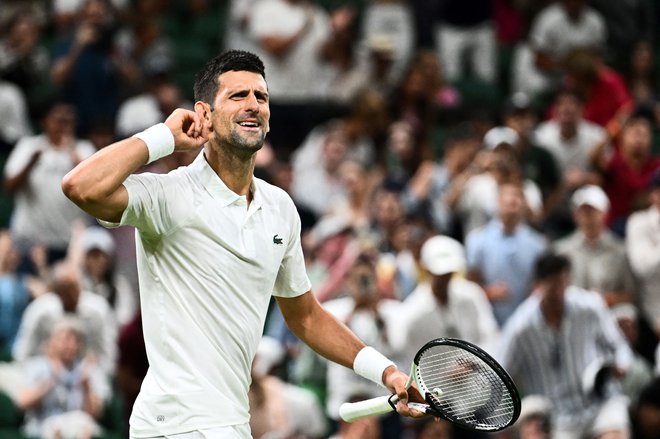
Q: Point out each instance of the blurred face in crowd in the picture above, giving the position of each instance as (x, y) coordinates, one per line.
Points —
(554, 286)
(636, 138)
(24, 34)
(334, 150)
(96, 13)
(568, 110)
(511, 206)
(97, 262)
(9, 257)
(65, 344)
(574, 8)
(642, 58)
(59, 124)
(353, 177)
(388, 210)
(590, 221)
(521, 121)
(362, 284)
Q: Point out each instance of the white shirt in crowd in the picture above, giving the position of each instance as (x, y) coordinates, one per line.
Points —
(95, 315)
(42, 214)
(643, 248)
(467, 315)
(208, 265)
(570, 153)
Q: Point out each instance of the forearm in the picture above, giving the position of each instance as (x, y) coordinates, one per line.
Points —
(30, 398)
(62, 68)
(12, 184)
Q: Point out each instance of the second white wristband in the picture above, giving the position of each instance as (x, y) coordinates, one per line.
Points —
(370, 364)
(159, 140)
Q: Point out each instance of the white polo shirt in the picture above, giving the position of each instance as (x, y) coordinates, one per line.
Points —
(207, 266)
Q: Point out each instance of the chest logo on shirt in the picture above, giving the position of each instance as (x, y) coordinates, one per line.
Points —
(277, 240)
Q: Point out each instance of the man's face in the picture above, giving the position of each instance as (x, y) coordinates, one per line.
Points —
(636, 138)
(590, 220)
(240, 112)
(568, 110)
(511, 203)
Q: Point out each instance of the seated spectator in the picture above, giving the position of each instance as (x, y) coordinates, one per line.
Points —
(99, 273)
(277, 408)
(68, 299)
(553, 338)
(475, 198)
(643, 248)
(368, 314)
(14, 293)
(33, 174)
(66, 390)
(447, 304)
(500, 255)
(627, 170)
(598, 257)
(426, 192)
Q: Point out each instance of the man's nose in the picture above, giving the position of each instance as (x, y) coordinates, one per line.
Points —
(251, 103)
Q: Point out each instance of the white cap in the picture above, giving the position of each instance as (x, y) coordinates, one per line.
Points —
(591, 195)
(442, 254)
(499, 135)
(98, 238)
(532, 405)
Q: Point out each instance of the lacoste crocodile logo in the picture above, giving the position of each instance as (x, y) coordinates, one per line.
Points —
(277, 240)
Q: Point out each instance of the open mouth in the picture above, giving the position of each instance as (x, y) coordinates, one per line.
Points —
(252, 125)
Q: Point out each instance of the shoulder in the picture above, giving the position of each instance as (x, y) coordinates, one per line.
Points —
(551, 14)
(275, 196)
(464, 289)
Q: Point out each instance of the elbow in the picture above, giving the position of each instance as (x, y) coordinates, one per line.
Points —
(75, 190)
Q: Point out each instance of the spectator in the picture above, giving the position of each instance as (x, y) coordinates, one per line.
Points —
(560, 28)
(23, 59)
(598, 257)
(642, 73)
(85, 67)
(426, 192)
(14, 293)
(534, 420)
(640, 373)
(447, 304)
(364, 310)
(643, 248)
(474, 197)
(14, 117)
(97, 247)
(467, 29)
(628, 170)
(33, 173)
(551, 340)
(66, 299)
(66, 390)
(500, 256)
(277, 408)
(602, 89)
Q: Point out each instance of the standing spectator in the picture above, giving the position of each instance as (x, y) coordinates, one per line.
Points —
(68, 299)
(643, 246)
(627, 170)
(66, 389)
(553, 338)
(501, 254)
(447, 304)
(33, 174)
(598, 257)
(467, 28)
(85, 67)
(561, 27)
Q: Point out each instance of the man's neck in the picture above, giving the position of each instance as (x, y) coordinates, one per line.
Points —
(236, 172)
(552, 312)
(568, 131)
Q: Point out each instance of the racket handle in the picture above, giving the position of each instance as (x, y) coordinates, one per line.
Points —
(352, 411)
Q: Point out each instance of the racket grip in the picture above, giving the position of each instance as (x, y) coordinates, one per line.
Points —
(352, 411)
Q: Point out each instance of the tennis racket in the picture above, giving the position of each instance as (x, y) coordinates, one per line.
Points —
(459, 382)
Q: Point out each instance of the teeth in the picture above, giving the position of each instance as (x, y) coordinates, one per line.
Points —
(248, 124)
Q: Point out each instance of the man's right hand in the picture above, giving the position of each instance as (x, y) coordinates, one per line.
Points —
(188, 129)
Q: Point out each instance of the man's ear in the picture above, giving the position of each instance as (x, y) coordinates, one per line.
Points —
(203, 110)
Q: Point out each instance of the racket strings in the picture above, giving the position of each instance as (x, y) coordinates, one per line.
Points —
(471, 391)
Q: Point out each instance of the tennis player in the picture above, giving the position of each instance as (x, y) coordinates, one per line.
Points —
(213, 244)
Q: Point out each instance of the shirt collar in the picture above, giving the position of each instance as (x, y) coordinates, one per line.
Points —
(217, 188)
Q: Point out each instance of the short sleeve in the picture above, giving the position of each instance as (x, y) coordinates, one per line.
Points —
(20, 156)
(540, 35)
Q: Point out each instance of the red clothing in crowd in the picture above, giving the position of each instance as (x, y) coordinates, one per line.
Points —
(607, 96)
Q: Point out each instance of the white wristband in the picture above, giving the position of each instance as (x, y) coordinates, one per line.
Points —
(370, 364)
(159, 140)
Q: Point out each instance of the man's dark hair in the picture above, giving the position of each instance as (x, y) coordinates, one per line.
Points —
(206, 81)
(550, 264)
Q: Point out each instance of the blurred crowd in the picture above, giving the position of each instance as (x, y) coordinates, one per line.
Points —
(487, 170)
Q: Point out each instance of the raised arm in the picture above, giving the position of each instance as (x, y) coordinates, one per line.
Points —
(95, 185)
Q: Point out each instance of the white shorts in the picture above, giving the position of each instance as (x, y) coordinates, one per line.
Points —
(230, 432)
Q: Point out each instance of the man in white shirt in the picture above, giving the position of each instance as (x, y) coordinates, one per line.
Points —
(447, 305)
(643, 248)
(213, 244)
